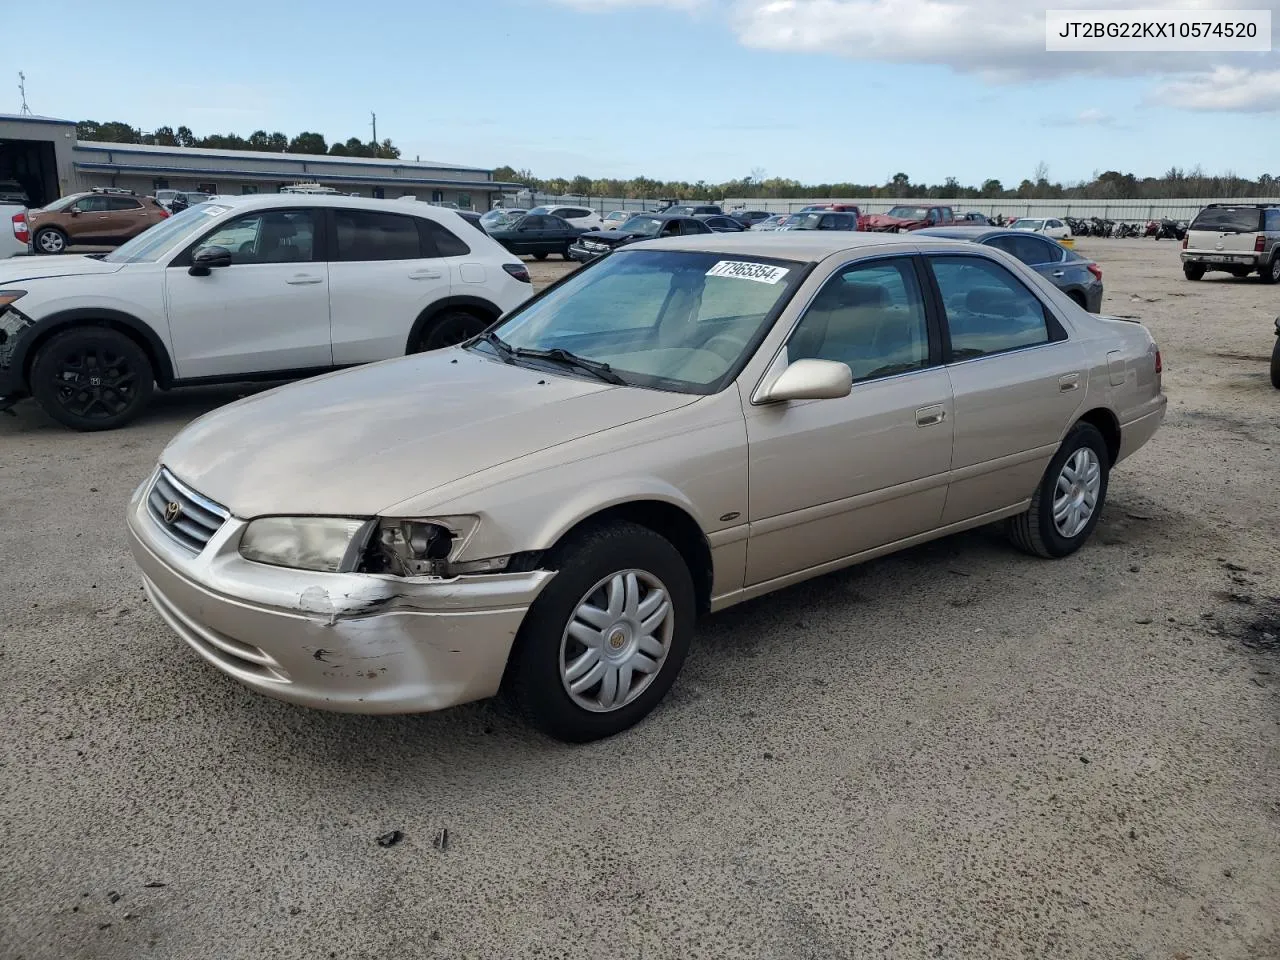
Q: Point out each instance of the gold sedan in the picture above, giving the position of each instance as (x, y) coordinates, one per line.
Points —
(682, 425)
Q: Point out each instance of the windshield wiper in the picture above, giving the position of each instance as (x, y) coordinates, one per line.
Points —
(601, 371)
(500, 346)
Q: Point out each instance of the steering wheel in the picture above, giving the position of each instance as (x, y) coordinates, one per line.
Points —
(729, 346)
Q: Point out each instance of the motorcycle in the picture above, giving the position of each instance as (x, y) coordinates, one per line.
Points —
(1152, 229)
(1171, 229)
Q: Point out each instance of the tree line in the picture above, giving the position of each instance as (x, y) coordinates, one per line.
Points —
(1109, 185)
(260, 140)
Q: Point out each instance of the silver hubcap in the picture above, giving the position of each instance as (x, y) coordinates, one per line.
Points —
(1076, 496)
(617, 641)
(1275, 268)
(51, 242)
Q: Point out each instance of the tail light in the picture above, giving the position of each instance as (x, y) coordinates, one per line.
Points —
(20, 231)
(1159, 363)
(1096, 271)
(518, 270)
(1260, 244)
(164, 214)
(1184, 242)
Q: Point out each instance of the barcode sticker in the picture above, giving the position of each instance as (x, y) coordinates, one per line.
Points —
(746, 270)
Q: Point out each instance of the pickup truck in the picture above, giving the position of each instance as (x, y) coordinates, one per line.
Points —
(15, 238)
(906, 217)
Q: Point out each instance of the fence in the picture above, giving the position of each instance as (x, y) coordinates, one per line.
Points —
(1119, 210)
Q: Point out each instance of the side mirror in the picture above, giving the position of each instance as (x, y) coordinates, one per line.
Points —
(74, 211)
(208, 257)
(810, 380)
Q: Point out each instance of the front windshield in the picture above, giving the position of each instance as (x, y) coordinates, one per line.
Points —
(910, 213)
(154, 242)
(1028, 225)
(668, 319)
(541, 211)
(644, 226)
(805, 221)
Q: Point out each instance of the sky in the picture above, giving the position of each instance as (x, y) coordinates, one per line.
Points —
(813, 90)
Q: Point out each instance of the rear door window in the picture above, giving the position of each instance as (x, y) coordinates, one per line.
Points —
(439, 241)
(363, 235)
(988, 310)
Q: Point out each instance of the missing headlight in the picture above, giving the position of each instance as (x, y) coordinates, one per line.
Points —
(409, 548)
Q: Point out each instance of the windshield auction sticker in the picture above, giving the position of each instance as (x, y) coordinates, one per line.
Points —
(745, 270)
(1155, 31)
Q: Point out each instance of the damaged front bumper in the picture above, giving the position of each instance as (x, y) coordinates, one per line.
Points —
(358, 643)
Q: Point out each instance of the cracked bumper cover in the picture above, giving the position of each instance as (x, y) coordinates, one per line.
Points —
(349, 642)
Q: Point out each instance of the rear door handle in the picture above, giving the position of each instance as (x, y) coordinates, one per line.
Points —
(303, 278)
(1069, 382)
(426, 275)
(1059, 273)
(928, 416)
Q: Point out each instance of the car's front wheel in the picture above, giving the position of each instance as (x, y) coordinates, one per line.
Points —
(603, 643)
(92, 378)
(1193, 271)
(1066, 506)
(51, 240)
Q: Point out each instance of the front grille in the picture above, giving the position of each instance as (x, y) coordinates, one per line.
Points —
(183, 514)
(595, 245)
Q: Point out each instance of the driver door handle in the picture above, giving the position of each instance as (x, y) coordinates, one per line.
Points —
(930, 415)
(302, 278)
(1059, 273)
(426, 275)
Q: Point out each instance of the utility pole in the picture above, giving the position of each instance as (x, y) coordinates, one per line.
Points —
(22, 89)
(374, 118)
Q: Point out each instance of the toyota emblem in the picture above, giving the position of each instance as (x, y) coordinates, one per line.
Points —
(172, 511)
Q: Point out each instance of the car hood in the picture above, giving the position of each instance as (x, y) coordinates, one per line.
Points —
(21, 269)
(611, 236)
(360, 441)
(884, 220)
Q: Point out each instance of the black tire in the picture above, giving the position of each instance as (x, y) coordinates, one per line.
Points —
(1193, 271)
(586, 559)
(540, 255)
(1275, 365)
(1270, 273)
(1079, 299)
(65, 369)
(448, 329)
(567, 255)
(50, 240)
(1035, 531)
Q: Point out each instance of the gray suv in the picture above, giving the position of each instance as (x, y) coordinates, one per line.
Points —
(1238, 238)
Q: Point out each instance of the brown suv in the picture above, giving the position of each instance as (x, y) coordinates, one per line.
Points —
(96, 217)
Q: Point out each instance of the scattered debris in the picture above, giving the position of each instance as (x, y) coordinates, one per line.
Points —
(154, 884)
(294, 911)
(1235, 567)
(442, 839)
(1084, 759)
(113, 897)
(1144, 620)
(103, 926)
(390, 839)
(1227, 872)
(131, 916)
(768, 756)
(1135, 515)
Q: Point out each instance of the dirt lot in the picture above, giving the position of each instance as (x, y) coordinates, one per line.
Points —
(956, 752)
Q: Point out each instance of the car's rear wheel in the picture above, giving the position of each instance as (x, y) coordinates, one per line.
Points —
(51, 240)
(1066, 506)
(603, 643)
(449, 329)
(92, 378)
(1271, 272)
(540, 255)
(1193, 271)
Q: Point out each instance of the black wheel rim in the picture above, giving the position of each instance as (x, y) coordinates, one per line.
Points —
(453, 330)
(95, 383)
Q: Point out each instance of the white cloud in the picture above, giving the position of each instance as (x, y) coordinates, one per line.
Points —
(1000, 40)
(1223, 88)
(1092, 117)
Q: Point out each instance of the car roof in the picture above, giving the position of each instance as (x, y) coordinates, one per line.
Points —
(812, 245)
(966, 233)
(262, 200)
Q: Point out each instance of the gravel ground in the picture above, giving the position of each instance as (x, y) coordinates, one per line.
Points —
(955, 752)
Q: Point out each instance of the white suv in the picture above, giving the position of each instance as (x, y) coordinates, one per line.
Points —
(259, 287)
(577, 216)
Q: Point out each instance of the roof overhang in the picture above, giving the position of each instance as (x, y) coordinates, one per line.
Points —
(291, 176)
